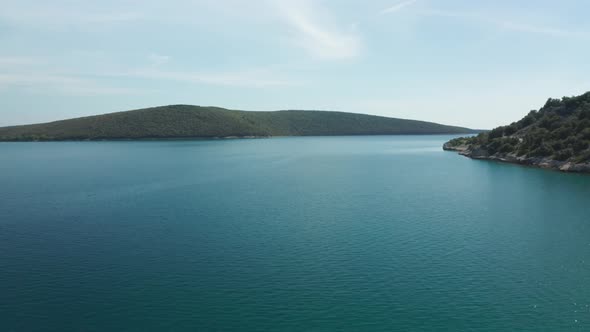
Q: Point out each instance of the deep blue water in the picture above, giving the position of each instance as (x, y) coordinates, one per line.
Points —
(304, 234)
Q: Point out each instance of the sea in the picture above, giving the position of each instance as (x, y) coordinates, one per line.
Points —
(357, 233)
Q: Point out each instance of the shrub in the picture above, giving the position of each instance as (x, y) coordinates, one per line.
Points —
(496, 133)
(506, 148)
(585, 134)
(542, 151)
(564, 154)
(510, 130)
(580, 145)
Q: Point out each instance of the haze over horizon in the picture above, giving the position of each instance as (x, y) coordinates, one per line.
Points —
(472, 64)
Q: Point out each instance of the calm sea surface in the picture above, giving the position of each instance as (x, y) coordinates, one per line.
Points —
(288, 234)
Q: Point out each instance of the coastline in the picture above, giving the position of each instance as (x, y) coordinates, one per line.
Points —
(544, 163)
(136, 139)
(189, 138)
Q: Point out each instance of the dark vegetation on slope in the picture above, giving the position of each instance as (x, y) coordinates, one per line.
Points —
(559, 131)
(184, 121)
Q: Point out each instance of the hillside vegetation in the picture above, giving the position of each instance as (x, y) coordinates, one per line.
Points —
(559, 131)
(184, 121)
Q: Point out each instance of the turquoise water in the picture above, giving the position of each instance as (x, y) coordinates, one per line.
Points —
(303, 234)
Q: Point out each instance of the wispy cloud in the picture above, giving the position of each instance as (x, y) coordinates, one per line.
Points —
(546, 30)
(95, 84)
(52, 14)
(502, 23)
(42, 76)
(62, 84)
(10, 61)
(397, 7)
(254, 78)
(158, 59)
(315, 31)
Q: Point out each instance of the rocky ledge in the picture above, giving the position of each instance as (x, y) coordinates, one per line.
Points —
(546, 163)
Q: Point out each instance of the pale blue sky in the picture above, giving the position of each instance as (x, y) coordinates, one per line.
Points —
(472, 63)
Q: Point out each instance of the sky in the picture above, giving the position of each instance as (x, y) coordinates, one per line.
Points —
(478, 64)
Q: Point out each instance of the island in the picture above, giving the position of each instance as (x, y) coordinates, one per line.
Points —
(186, 121)
(557, 136)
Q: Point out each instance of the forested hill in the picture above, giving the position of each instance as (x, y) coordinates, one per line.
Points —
(556, 136)
(185, 121)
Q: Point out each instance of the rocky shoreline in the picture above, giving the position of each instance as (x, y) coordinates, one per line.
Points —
(545, 163)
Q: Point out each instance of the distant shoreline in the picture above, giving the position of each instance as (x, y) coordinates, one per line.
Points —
(203, 138)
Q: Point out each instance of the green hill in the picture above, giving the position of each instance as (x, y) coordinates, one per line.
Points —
(184, 121)
(557, 136)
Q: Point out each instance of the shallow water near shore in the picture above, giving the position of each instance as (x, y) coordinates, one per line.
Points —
(381, 233)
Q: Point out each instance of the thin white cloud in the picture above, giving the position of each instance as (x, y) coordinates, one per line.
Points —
(158, 59)
(397, 7)
(507, 24)
(76, 84)
(256, 78)
(10, 61)
(315, 31)
(41, 75)
(69, 18)
(62, 84)
(33, 13)
(536, 29)
(36, 74)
